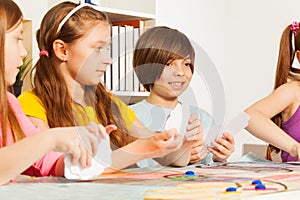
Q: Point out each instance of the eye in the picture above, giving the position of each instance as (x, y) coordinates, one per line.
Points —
(188, 64)
(99, 48)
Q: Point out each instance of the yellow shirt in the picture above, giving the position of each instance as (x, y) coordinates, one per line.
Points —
(32, 106)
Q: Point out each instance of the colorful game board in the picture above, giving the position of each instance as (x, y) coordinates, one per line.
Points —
(221, 181)
(238, 180)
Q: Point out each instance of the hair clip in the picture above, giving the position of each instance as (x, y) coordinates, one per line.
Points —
(295, 27)
(44, 53)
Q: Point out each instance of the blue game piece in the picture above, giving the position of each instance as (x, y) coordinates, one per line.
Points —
(260, 187)
(231, 189)
(256, 182)
(189, 173)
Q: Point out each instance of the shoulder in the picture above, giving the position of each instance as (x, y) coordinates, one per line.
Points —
(138, 106)
(289, 90)
(28, 95)
(13, 100)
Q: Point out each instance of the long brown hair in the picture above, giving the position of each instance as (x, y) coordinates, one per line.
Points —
(10, 17)
(155, 48)
(289, 44)
(49, 83)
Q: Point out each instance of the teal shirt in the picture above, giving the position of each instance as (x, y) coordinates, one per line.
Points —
(154, 118)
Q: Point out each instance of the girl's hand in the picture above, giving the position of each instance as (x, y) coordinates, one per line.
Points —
(99, 129)
(295, 151)
(222, 148)
(81, 142)
(162, 143)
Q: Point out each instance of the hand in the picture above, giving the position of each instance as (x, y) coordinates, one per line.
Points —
(194, 133)
(198, 152)
(222, 148)
(99, 129)
(81, 142)
(163, 143)
(194, 128)
(295, 151)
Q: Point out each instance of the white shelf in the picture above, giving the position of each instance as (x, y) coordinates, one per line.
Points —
(116, 15)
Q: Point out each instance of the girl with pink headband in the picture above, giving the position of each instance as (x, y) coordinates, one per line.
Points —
(275, 118)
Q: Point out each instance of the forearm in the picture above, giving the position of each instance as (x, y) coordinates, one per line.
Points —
(263, 128)
(15, 158)
(179, 158)
(128, 155)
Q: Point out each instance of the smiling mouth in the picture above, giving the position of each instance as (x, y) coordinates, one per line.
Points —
(177, 84)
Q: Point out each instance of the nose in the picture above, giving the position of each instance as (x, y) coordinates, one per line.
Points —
(107, 61)
(178, 70)
(23, 51)
(106, 58)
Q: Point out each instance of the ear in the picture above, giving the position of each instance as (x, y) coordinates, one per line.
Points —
(59, 49)
(298, 55)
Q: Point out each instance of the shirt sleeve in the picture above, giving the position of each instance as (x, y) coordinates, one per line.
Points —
(32, 106)
(127, 113)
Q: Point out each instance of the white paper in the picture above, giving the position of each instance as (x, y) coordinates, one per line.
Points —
(175, 118)
(101, 161)
(234, 126)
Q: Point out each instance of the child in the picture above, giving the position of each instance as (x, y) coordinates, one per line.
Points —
(67, 89)
(164, 63)
(282, 105)
(20, 147)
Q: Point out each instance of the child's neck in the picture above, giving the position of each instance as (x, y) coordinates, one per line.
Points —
(162, 102)
(76, 91)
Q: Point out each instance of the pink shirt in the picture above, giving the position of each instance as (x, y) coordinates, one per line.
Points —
(46, 165)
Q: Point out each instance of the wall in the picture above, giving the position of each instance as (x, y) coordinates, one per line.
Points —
(242, 38)
(237, 38)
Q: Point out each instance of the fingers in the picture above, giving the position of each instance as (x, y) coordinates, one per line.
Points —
(83, 157)
(92, 127)
(198, 152)
(228, 137)
(110, 128)
(94, 143)
(166, 135)
(194, 128)
(223, 148)
(99, 129)
(102, 131)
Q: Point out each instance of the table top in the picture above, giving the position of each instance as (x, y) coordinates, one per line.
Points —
(281, 180)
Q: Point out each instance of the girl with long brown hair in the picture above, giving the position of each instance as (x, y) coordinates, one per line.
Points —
(275, 118)
(21, 149)
(67, 89)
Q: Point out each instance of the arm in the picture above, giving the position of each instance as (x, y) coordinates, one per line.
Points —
(261, 125)
(17, 157)
(149, 145)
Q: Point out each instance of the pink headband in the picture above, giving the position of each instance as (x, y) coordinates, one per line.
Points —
(295, 27)
(44, 53)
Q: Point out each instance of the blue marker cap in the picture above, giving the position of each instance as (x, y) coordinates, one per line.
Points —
(256, 182)
(260, 187)
(231, 189)
(189, 173)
